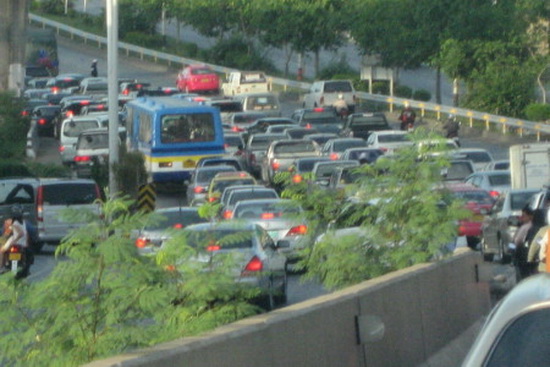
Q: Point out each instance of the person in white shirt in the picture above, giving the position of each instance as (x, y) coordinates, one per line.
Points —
(18, 236)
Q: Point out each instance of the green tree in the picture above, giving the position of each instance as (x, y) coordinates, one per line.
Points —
(402, 214)
(13, 127)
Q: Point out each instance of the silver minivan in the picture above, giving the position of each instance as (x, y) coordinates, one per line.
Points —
(70, 130)
(265, 103)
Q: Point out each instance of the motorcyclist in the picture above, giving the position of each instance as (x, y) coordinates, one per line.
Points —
(341, 106)
(407, 117)
(451, 127)
(18, 235)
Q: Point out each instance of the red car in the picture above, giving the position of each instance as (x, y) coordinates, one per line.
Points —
(477, 201)
(198, 79)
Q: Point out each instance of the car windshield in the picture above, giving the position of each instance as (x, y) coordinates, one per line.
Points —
(233, 141)
(477, 157)
(226, 239)
(299, 133)
(479, 197)
(74, 128)
(350, 175)
(520, 199)
(227, 162)
(227, 106)
(295, 147)
(262, 142)
(307, 164)
(96, 86)
(48, 111)
(245, 118)
(343, 86)
(393, 138)
(176, 218)
(326, 169)
(500, 180)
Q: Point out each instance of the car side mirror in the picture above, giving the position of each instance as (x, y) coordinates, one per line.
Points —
(283, 244)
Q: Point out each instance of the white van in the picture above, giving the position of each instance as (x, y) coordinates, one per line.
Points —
(70, 130)
(55, 195)
(266, 103)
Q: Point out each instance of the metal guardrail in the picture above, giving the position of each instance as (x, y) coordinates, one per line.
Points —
(504, 123)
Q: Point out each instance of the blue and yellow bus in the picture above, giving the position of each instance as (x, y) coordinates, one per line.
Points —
(173, 134)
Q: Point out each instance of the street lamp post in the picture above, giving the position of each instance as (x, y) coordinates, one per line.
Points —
(112, 76)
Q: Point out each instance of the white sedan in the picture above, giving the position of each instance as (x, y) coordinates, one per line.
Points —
(389, 140)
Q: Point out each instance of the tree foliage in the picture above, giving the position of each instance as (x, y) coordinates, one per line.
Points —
(13, 127)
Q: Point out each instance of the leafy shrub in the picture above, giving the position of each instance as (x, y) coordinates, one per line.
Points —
(381, 87)
(403, 91)
(130, 172)
(54, 6)
(144, 40)
(138, 18)
(14, 169)
(422, 95)
(13, 127)
(49, 170)
(537, 112)
(237, 53)
(361, 85)
(337, 70)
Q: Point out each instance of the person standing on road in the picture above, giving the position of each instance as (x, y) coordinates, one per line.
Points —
(451, 127)
(520, 241)
(94, 68)
(407, 117)
(541, 239)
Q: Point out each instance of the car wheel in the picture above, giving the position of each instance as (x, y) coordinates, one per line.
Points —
(486, 256)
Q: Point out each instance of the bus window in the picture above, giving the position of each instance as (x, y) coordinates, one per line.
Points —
(197, 127)
(145, 128)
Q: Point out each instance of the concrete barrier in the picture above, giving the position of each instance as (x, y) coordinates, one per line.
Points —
(421, 309)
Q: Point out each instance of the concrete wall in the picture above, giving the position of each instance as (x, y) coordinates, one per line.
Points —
(422, 308)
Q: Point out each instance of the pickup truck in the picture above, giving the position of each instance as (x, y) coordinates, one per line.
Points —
(281, 154)
(239, 82)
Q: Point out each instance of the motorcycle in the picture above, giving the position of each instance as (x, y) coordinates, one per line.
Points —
(16, 259)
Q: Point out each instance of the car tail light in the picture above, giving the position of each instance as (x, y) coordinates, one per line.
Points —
(39, 204)
(225, 145)
(25, 113)
(237, 129)
(494, 194)
(253, 266)
(141, 242)
(461, 230)
(275, 165)
(177, 226)
(212, 199)
(42, 122)
(227, 214)
(84, 102)
(167, 90)
(298, 230)
(198, 189)
(54, 89)
(61, 148)
(297, 179)
(334, 156)
(82, 158)
(267, 216)
(126, 92)
(15, 249)
(213, 247)
(69, 113)
(308, 126)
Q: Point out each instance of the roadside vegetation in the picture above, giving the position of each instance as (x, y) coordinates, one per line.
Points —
(498, 50)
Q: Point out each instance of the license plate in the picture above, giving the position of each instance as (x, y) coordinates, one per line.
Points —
(205, 80)
(14, 257)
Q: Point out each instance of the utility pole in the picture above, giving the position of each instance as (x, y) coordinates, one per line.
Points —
(112, 80)
(13, 23)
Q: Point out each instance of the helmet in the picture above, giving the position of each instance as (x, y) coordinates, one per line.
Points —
(451, 116)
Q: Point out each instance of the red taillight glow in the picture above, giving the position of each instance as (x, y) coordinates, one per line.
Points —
(254, 265)
(237, 129)
(298, 230)
(267, 216)
(212, 199)
(275, 165)
(54, 89)
(84, 103)
(461, 230)
(15, 249)
(243, 174)
(61, 148)
(494, 193)
(42, 122)
(225, 145)
(69, 114)
(198, 189)
(384, 149)
(126, 92)
(296, 179)
(178, 226)
(25, 113)
(334, 156)
(141, 242)
(82, 158)
(308, 126)
(319, 109)
(227, 214)
(212, 248)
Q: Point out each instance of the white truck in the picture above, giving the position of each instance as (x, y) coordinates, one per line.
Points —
(530, 165)
(239, 82)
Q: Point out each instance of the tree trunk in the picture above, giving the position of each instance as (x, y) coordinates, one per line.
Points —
(4, 43)
(438, 85)
(13, 23)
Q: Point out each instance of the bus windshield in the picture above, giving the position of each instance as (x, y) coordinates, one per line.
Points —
(184, 128)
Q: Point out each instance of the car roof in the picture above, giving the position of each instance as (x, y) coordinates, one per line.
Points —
(232, 174)
(236, 225)
(461, 186)
(491, 173)
(389, 132)
(174, 209)
(258, 202)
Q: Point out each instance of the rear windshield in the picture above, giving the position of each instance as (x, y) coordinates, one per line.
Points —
(393, 138)
(321, 117)
(343, 86)
(36, 71)
(208, 174)
(176, 218)
(233, 164)
(48, 111)
(245, 119)
(74, 128)
(267, 211)
(499, 180)
(369, 155)
(458, 171)
(222, 185)
(96, 86)
(480, 197)
(520, 199)
(340, 146)
(262, 142)
(350, 175)
(252, 78)
(294, 147)
(225, 238)
(95, 141)
(477, 157)
(307, 165)
(233, 141)
(69, 194)
(325, 170)
(262, 103)
(368, 121)
(201, 71)
(250, 195)
(299, 133)
(228, 106)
